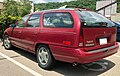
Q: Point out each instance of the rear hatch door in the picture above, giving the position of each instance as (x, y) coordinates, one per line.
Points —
(95, 38)
(98, 31)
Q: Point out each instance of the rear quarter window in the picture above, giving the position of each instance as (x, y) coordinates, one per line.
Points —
(58, 20)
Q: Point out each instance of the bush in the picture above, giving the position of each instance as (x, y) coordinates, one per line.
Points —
(5, 21)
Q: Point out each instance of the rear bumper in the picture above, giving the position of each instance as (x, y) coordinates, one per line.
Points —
(80, 56)
(98, 54)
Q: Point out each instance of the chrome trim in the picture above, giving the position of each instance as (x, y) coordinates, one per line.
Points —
(102, 50)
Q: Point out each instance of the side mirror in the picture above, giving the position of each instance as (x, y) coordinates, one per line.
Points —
(12, 25)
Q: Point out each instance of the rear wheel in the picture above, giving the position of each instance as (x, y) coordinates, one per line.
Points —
(7, 43)
(44, 57)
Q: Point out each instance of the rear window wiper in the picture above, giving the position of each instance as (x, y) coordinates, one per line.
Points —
(97, 24)
(100, 24)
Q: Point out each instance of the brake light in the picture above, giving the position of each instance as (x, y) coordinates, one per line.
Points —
(80, 41)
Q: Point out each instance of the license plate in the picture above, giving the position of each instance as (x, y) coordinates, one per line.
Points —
(103, 41)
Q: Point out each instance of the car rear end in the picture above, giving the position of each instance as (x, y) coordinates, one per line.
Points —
(93, 37)
(97, 37)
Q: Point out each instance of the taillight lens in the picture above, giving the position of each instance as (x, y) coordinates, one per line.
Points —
(80, 41)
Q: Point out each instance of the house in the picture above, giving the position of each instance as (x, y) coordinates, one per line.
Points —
(107, 7)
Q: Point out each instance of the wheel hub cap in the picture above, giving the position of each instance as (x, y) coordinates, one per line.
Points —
(43, 55)
(6, 43)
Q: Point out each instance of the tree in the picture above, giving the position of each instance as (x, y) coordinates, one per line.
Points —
(90, 4)
(24, 7)
(10, 8)
(12, 11)
(15, 8)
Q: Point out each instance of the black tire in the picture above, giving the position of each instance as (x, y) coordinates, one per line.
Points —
(45, 60)
(6, 43)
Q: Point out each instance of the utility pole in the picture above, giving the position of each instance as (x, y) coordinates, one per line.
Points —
(32, 9)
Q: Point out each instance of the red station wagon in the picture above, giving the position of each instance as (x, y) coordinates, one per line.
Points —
(71, 35)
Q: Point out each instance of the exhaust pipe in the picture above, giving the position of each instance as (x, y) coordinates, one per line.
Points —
(74, 64)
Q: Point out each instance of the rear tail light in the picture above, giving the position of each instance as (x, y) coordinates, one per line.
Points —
(81, 36)
(81, 44)
(81, 41)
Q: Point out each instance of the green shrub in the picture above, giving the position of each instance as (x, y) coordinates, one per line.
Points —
(5, 21)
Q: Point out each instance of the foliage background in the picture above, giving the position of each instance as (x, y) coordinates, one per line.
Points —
(91, 4)
(13, 11)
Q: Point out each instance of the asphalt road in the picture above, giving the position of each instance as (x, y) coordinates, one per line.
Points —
(18, 62)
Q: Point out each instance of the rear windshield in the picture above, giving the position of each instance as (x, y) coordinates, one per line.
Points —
(93, 19)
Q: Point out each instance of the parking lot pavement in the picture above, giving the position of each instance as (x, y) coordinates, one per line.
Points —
(7, 68)
(21, 63)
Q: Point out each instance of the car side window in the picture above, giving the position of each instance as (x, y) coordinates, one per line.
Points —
(21, 22)
(58, 20)
(34, 21)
